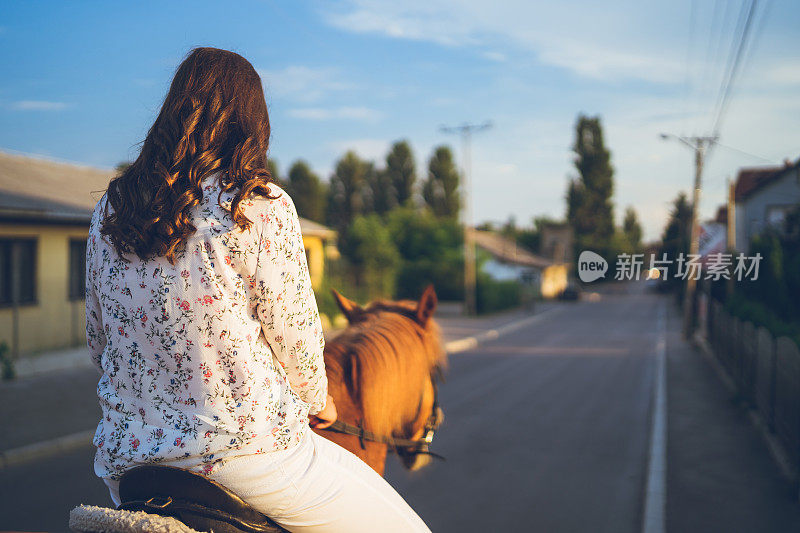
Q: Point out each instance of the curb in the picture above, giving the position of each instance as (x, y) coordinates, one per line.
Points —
(47, 448)
(468, 343)
(67, 443)
(776, 450)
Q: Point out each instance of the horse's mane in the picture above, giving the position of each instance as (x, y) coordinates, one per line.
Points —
(385, 359)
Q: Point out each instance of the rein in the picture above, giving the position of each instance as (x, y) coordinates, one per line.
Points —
(420, 446)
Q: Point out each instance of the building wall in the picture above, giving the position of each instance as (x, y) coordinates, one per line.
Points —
(53, 321)
(751, 215)
(554, 280)
(315, 253)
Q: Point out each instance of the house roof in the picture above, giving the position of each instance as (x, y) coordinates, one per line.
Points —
(65, 183)
(42, 190)
(309, 228)
(749, 180)
(507, 250)
(23, 208)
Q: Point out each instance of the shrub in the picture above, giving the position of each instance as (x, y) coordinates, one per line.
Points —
(760, 314)
(493, 295)
(7, 370)
(430, 249)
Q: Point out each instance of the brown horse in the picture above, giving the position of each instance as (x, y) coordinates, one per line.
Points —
(381, 373)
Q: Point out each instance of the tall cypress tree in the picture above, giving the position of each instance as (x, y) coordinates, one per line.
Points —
(632, 229)
(307, 191)
(382, 197)
(441, 189)
(401, 173)
(590, 211)
(346, 192)
(272, 166)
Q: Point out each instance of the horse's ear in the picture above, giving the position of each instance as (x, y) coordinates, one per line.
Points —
(426, 305)
(350, 309)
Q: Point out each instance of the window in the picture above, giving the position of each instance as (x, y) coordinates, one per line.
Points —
(17, 271)
(776, 215)
(77, 269)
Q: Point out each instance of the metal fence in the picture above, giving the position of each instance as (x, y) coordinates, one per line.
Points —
(766, 371)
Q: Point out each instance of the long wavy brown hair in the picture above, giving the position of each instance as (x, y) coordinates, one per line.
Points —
(214, 119)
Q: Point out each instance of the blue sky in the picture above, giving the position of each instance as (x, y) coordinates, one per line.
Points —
(83, 81)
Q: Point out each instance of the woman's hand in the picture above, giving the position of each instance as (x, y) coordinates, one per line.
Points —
(324, 418)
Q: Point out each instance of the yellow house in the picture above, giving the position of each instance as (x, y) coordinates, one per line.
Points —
(45, 210)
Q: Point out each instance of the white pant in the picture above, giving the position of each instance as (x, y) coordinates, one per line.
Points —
(315, 486)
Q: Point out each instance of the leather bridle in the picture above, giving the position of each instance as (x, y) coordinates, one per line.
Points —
(402, 446)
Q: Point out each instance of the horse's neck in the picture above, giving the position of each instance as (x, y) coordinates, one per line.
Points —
(349, 411)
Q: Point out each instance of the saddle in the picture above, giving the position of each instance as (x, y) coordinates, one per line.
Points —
(191, 498)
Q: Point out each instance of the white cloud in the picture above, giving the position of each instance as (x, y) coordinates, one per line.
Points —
(783, 73)
(613, 53)
(344, 112)
(38, 105)
(495, 56)
(302, 84)
(598, 62)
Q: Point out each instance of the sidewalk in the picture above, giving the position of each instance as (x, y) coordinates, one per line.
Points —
(77, 357)
(720, 475)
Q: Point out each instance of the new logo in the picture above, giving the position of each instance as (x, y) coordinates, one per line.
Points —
(591, 266)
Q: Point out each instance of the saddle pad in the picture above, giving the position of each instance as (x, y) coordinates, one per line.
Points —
(93, 519)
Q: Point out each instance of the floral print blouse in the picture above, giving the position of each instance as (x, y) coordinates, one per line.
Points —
(217, 355)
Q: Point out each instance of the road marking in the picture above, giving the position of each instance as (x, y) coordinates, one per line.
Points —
(468, 343)
(67, 443)
(654, 518)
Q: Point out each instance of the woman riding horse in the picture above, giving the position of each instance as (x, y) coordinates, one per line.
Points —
(203, 323)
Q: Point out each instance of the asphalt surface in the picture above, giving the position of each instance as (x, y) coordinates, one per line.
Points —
(547, 429)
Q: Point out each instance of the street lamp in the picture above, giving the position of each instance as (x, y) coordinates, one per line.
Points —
(700, 145)
(466, 130)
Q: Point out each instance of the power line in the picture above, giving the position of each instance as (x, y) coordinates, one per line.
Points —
(727, 85)
(748, 154)
(687, 102)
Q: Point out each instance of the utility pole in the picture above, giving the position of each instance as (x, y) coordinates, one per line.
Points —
(731, 211)
(700, 145)
(466, 130)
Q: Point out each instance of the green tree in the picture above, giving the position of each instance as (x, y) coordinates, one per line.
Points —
(441, 188)
(381, 191)
(347, 190)
(632, 229)
(369, 248)
(590, 211)
(307, 191)
(431, 252)
(274, 171)
(401, 173)
(675, 239)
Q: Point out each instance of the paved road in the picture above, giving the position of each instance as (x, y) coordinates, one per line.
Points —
(547, 429)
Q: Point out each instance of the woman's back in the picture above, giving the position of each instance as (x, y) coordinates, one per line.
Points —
(184, 346)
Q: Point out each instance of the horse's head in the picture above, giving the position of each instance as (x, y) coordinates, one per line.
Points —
(397, 358)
